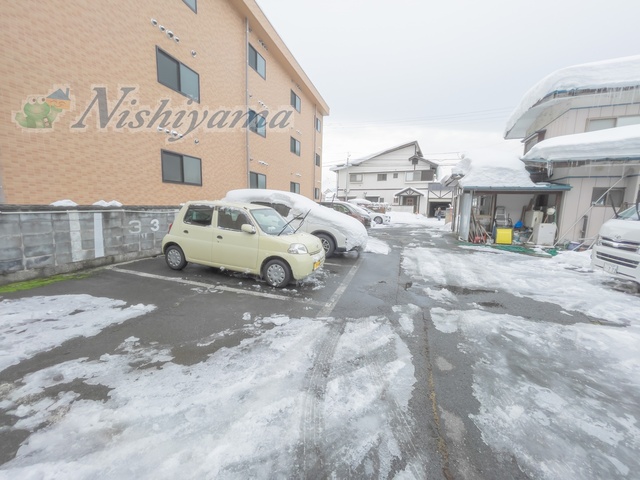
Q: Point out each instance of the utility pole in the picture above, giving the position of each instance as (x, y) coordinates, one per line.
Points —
(346, 183)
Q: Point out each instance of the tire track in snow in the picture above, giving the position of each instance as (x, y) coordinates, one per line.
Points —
(312, 427)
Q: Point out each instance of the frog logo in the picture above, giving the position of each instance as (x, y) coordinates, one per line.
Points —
(40, 112)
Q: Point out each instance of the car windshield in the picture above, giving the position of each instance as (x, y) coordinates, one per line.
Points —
(629, 214)
(271, 222)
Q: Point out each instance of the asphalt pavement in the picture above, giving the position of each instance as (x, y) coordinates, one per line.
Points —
(438, 438)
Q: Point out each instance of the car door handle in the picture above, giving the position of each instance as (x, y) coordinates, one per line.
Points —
(185, 231)
(219, 237)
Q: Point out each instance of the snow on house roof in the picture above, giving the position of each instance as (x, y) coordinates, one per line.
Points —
(608, 74)
(620, 143)
(358, 161)
(488, 168)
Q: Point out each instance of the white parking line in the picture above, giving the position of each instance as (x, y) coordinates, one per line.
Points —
(328, 308)
(216, 287)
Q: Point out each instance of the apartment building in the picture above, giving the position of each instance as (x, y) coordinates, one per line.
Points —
(152, 103)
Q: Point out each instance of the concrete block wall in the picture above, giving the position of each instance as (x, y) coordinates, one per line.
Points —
(39, 241)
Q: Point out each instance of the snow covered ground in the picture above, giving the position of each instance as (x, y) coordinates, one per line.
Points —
(545, 389)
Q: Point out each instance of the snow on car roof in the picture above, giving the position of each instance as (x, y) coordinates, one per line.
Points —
(300, 205)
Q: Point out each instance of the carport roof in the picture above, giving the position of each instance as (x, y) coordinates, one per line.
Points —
(496, 171)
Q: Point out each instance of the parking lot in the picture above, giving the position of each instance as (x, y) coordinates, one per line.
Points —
(395, 361)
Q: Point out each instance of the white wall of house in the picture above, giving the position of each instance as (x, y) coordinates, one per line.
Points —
(383, 176)
(569, 115)
(577, 120)
(577, 202)
(578, 219)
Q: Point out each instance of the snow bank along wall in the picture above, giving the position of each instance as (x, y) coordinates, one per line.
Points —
(38, 241)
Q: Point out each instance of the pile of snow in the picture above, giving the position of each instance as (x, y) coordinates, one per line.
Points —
(361, 201)
(243, 412)
(615, 73)
(492, 168)
(112, 203)
(38, 324)
(561, 395)
(64, 203)
(612, 143)
(351, 228)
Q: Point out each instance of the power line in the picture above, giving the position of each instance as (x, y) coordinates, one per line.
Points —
(454, 118)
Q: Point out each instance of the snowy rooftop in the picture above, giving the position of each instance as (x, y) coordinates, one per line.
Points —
(358, 161)
(488, 168)
(608, 74)
(610, 144)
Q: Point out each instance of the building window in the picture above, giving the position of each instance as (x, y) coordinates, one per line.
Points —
(317, 160)
(257, 62)
(177, 76)
(605, 197)
(257, 123)
(419, 176)
(295, 101)
(355, 177)
(193, 5)
(177, 168)
(318, 125)
(628, 120)
(382, 177)
(395, 175)
(316, 193)
(594, 124)
(294, 187)
(295, 146)
(257, 180)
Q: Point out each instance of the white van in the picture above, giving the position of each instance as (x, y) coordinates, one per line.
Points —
(617, 250)
(338, 233)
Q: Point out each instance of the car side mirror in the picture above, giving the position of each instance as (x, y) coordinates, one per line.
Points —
(247, 228)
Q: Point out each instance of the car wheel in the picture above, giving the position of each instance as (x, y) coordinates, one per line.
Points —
(175, 257)
(378, 220)
(276, 273)
(327, 244)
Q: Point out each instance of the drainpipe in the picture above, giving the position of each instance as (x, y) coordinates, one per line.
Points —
(246, 97)
(315, 152)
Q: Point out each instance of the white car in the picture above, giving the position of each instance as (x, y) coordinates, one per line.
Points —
(377, 217)
(617, 249)
(338, 233)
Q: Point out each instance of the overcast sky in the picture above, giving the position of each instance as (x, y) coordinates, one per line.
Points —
(446, 73)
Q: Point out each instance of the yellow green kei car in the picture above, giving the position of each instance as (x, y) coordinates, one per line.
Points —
(242, 237)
